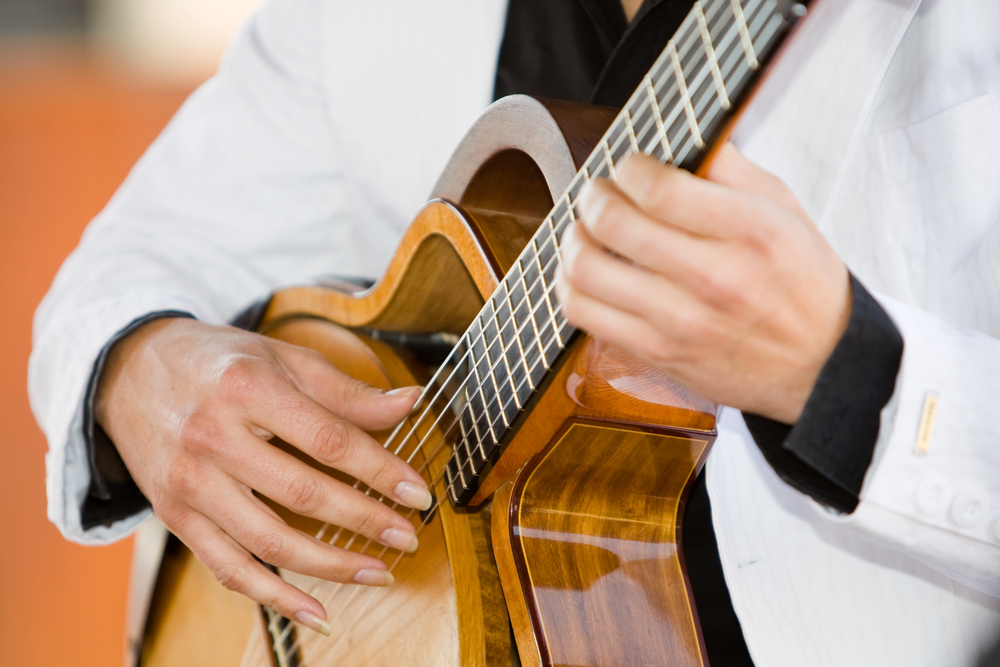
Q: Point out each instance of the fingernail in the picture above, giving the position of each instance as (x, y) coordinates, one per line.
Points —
(411, 495)
(403, 540)
(405, 391)
(313, 623)
(372, 577)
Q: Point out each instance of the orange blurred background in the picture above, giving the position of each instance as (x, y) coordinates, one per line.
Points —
(75, 114)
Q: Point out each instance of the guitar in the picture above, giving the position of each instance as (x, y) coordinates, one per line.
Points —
(559, 464)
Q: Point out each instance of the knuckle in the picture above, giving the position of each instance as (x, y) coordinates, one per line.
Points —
(305, 495)
(171, 515)
(355, 391)
(273, 548)
(332, 442)
(239, 376)
(384, 474)
(182, 478)
(200, 433)
(368, 520)
(716, 288)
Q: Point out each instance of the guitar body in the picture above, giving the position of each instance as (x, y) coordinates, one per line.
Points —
(572, 543)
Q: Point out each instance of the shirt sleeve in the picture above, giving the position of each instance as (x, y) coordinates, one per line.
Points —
(827, 452)
(242, 192)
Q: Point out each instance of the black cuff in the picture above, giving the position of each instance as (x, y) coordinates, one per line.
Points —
(827, 452)
(112, 495)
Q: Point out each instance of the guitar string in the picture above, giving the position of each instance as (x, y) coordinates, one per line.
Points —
(506, 348)
(643, 132)
(707, 117)
(687, 47)
(561, 224)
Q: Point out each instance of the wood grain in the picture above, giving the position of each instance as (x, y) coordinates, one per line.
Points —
(594, 532)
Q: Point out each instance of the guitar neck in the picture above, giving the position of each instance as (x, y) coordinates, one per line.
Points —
(675, 115)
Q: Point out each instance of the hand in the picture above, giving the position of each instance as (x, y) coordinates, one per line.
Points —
(191, 406)
(725, 283)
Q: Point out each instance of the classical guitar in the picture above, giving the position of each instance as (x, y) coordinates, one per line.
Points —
(560, 465)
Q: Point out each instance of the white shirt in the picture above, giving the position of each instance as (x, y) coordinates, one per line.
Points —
(327, 126)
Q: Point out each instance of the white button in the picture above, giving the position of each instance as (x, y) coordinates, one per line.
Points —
(933, 494)
(970, 508)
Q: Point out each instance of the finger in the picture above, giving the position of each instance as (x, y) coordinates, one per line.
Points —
(615, 326)
(237, 570)
(236, 511)
(676, 196)
(616, 223)
(307, 491)
(358, 402)
(733, 169)
(588, 269)
(333, 441)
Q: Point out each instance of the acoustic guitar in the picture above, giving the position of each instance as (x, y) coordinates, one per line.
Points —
(559, 464)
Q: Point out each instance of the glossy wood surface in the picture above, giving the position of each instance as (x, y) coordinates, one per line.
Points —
(593, 529)
(434, 283)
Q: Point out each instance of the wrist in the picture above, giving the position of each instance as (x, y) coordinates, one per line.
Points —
(122, 356)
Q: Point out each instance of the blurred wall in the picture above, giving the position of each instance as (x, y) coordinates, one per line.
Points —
(73, 119)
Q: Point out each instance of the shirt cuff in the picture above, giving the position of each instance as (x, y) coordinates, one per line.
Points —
(827, 452)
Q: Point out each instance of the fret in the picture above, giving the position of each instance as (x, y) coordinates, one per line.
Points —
(661, 130)
(555, 238)
(473, 440)
(706, 40)
(610, 160)
(495, 341)
(517, 340)
(509, 342)
(480, 386)
(621, 147)
(545, 292)
(536, 299)
(562, 210)
(741, 24)
(531, 314)
(576, 185)
(527, 331)
(631, 131)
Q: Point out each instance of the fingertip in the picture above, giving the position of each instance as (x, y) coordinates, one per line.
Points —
(405, 392)
(373, 577)
(313, 622)
(413, 495)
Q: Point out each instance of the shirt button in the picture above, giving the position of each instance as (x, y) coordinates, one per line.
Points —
(970, 508)
(933, 494)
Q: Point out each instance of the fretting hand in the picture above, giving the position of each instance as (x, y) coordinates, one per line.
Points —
(724, 283)
(191, 406)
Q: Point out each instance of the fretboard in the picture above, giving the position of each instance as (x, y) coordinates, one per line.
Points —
(674, 115)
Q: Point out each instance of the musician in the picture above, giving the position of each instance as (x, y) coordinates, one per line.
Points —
(838, 282)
